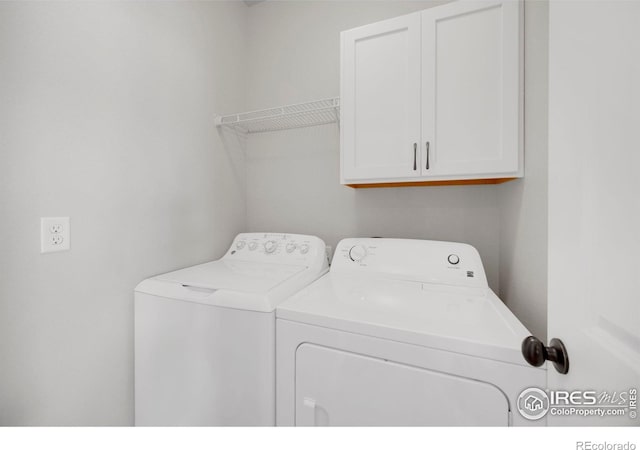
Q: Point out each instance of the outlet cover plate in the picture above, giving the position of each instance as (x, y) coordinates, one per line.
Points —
(55, 234)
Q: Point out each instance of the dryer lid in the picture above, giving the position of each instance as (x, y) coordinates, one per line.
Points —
(471, 321)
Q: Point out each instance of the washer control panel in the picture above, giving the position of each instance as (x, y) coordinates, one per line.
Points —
(449, 263)
(277, 248)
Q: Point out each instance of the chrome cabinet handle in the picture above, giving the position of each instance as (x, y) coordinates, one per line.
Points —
(427, 165)
(415, 155)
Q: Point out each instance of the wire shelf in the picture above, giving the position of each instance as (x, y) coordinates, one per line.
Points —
(319, 112)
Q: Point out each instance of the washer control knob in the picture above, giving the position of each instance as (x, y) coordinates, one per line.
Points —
(291, 246)
(253, 245)
(240, 245)
(304, 248)
(357, 253)
(453, 259)
(270, 246)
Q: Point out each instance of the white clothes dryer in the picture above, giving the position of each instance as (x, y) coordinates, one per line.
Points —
(205, 335)
(401, 332)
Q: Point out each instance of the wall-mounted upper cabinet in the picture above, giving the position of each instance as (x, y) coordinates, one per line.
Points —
(433, 97)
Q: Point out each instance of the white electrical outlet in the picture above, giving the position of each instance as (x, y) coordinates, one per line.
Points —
(55, 234)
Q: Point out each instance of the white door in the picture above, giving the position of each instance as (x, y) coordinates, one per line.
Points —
(471, 89)
(380, 100)
(594, 203)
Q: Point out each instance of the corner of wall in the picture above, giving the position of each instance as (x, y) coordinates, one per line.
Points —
(523, 203)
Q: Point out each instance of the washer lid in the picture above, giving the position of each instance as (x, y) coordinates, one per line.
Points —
(240, 276)
(465, 320)
(259, 271)
(231, 284)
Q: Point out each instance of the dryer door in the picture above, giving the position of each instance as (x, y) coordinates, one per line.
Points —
(335, 387)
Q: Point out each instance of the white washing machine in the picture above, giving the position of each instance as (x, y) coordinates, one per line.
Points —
(401, 332)
(205, 335)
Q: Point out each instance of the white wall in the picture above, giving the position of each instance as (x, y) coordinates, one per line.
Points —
(106, 115)
(523, 203)
(293, 176)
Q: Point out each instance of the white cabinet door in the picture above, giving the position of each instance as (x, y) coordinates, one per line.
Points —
(471, 110)
(380, 100)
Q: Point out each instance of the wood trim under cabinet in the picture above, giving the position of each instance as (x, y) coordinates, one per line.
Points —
(432, 183)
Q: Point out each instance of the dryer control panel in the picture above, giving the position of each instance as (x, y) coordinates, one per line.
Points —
(438, 262)
(297, 249)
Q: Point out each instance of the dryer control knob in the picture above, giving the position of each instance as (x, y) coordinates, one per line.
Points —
(270, 246)
(240, 245)
(291, 247)
(304, 248)
(253, 245)
(453, 259)
(357, 253)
